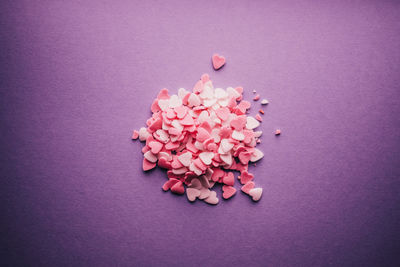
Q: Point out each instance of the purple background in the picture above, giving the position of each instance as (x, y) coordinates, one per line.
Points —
(77, 76)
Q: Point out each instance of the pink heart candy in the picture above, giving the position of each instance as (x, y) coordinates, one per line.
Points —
(218, 61)
(238, 123)
(246, 188)
(229, 179)
(246, 177)
(229, 191)
(168, 184)
(178, 188)
(147, 165)
(155, 147)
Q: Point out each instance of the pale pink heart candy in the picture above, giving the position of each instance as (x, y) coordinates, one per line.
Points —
(239, 123)
(180, 112)
(185, 158)
(251, 123)
(206, 157)
(220, 93)
(192, 193)
(223, 113)
(155, 147)
(205, 78)
(218, 61)
(163, 104)
(212, 198)
(227, 159)
(257, 133)
(187, 120)
(256, 193)
(150, 157)
(257, 155)
(204, 193)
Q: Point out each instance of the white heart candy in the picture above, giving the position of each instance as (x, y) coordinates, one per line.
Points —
(204, 193)
(256, 193)
(206, 157)
(163, 104)
(226, 145)
(182, 92)
(150, 156)
(238, 135)
(175, 101)
(252, 123)
(185, 158)
(227, 159)
(143, 134)
(257, 155)
(220, 93)
(193, 100)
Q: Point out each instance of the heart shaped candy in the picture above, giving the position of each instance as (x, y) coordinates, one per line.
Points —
(212, 198)
(256, 193)
(247, 187)
(229, 191)
(192, 193)
(218, 61)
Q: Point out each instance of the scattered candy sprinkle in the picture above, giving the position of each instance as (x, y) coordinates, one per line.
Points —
(257, 97)
(277, 132)
(199, 136)
(264, 102)
(261, 111)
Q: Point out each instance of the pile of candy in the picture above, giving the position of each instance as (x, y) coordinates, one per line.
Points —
(199, 136)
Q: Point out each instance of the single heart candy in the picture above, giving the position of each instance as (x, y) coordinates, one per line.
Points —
(256, 193)
(246, 188)
(229, 191)
(212, 198)
(192, 193)
(218, 61)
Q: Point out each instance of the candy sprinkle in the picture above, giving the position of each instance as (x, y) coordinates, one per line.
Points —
(199, 136)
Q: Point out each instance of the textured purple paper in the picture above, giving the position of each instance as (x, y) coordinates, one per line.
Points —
(77, 76)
